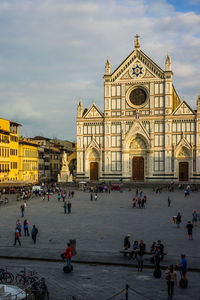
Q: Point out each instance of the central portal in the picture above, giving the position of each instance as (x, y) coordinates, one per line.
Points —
(183, 171)
(138, 168)
(94, 171)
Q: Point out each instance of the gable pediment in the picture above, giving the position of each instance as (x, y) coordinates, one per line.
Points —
(93, 145)
(137, 66)
(183, 149)
(183, 109)
(136, 129)
(93, 112)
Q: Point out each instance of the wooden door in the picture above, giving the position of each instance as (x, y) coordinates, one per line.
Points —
(183, 171)
(94, 171)
(138, 168)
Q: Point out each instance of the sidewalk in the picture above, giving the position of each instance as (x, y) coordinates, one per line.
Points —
(90, 257)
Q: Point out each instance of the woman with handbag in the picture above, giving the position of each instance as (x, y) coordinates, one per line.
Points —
(171, 278)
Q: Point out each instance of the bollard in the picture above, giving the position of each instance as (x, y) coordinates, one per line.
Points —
(73, 245)
(126, 291)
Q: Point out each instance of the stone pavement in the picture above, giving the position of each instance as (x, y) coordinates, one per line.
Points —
(100, 282)
(99, 226)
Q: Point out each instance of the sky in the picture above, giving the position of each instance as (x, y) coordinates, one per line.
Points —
(53, 52)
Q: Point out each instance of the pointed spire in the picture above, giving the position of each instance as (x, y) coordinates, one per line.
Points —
(107, 66)
(80, 108)
(168, 63)
(137, 42)
(80, 102)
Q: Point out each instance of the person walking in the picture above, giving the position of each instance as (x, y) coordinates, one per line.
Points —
(59, 196)
(19, 226)
(91, 196)
(48, 196)
(68, 255)
(26, 231)
(63, 196)
(194, 218)
(65, 207)
(34, 233)
(169, 201)
(17, 235)
(22, 211)
(178, 220)
(69, 205)
(189, 227)
(171, 278)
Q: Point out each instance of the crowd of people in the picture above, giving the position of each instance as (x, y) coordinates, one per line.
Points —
(138, 250)
(25, 194)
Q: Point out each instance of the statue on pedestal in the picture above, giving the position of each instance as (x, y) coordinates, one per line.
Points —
(65, 175)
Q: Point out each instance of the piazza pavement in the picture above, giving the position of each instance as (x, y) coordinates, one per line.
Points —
(99, 228)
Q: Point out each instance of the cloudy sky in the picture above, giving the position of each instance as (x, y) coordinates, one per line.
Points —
(53, 52)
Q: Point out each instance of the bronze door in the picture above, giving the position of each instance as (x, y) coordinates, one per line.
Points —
(183, 171)
(138, 168)
(94, 171)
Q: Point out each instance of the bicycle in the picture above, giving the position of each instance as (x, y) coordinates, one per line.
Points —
(6, 277)
(23, 278)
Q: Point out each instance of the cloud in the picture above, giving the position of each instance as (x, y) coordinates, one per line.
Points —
(53, 52)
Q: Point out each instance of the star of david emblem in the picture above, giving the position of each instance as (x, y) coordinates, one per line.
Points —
(137, 71)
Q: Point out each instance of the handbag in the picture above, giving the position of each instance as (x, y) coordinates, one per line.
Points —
(167, 277)
(62, 255)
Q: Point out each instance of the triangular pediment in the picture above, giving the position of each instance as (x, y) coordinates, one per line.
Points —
(137, 66)
(93, 149)
(136, 129)
(93, 144)
(183, 109)
(93, 112)
(183, 148)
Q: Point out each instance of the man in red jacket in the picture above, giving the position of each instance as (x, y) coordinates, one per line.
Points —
(68, 255)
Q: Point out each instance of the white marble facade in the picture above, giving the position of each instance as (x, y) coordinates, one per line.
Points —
(146, 133)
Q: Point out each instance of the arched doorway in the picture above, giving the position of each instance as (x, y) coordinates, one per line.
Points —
(138, 168)
(138, 149)
(183, 171)
(183, 158)
(94, 171)
(93, 164)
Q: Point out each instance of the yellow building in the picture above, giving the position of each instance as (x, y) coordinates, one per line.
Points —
(18, 157)
(8, 150)
(28, 161)
(14, 158)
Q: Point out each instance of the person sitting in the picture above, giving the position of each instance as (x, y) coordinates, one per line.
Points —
(161, 249)
(135, 249)
(152, 250)
(127, 243)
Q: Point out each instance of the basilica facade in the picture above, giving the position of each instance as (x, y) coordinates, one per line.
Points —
(145, 133)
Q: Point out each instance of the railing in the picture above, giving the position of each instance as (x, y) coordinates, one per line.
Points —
(32, 284)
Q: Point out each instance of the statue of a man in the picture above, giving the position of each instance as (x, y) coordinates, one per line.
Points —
(64, 159)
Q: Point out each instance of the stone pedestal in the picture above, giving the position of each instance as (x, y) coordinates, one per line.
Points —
(64, 175)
